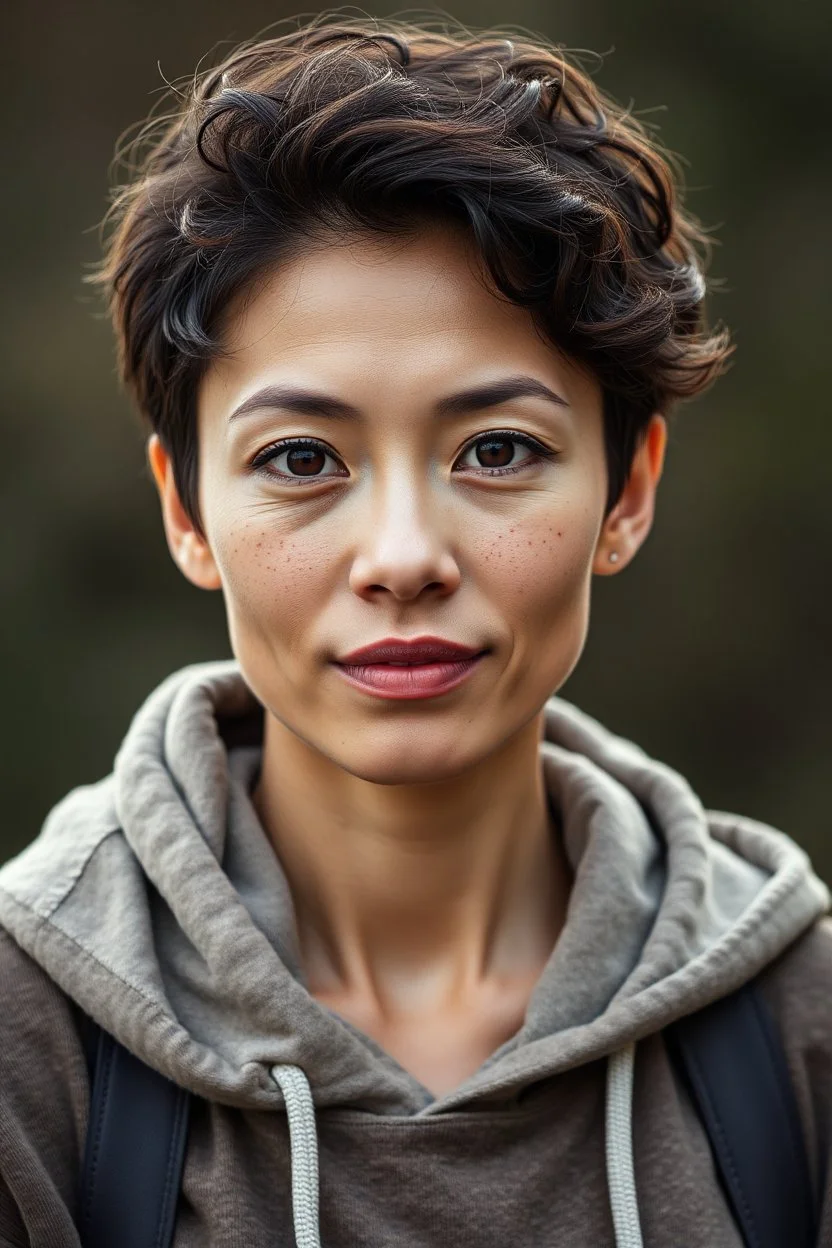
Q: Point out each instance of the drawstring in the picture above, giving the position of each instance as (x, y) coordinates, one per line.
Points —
(620, 1176)
(303, 1144)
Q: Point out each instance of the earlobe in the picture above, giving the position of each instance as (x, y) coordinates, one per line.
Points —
(607, 559)
(189, 549)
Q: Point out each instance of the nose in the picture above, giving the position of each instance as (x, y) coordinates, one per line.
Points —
(403, 547)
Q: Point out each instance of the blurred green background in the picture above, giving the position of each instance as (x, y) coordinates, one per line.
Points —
(712, 650)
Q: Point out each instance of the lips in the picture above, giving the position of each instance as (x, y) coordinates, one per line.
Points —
(407, 669)
(410, 651)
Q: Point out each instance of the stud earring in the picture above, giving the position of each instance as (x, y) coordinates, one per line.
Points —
(613, 556)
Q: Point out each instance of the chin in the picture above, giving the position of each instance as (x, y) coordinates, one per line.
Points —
(411, 762)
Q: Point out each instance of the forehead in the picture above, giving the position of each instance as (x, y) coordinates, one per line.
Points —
(415, 311)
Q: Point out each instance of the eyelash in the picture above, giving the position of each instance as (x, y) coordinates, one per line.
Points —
(539, 454)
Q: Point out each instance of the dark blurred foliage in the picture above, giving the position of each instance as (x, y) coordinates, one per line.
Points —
(712, 650)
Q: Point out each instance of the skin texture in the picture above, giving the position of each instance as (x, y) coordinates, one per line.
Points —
(426, 868)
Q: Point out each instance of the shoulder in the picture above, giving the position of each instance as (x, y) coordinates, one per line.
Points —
(798, 989)
(44, 1093)
(24, 981)
(42, 1057)
(798, 986)
(36, 1013)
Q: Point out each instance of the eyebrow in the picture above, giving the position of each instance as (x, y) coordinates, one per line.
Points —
(313, 403)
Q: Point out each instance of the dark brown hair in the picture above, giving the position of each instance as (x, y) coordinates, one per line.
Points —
(362, 124)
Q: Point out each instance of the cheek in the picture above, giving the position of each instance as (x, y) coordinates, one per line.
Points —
(537, 572)
(272, 582)
(540, 565)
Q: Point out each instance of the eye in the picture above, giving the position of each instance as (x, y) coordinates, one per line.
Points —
(495, 454)
(300, 460)
(296, 460)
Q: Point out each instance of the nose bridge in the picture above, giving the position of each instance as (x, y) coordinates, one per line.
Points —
(405, 512)
(402, 492)
(403, 543)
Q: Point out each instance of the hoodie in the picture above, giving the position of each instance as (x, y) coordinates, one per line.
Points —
(154, 902)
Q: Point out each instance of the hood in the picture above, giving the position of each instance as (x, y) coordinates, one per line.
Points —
(154, 899)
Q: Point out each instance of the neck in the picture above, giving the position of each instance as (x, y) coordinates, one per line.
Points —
(416, 896)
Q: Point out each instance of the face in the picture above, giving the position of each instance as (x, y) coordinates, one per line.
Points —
(390, 511)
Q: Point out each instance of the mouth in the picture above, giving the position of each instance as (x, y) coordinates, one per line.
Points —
(410, 651)
(420, 668)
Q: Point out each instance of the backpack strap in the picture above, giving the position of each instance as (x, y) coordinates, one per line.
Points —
(135, 1150)
(729, 1055)
(732, 1059)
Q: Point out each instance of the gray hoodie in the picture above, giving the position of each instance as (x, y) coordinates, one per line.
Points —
(154, 901)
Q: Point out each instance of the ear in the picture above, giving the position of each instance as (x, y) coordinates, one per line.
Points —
(191, 552)
(631, 519)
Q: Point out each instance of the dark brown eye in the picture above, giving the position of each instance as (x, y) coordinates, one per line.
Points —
(500, 453)
(305, 461)
(296, 461)
(495, 452)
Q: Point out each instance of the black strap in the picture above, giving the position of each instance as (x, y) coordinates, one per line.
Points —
(729, 1054)
(134, 1152)
(736, 1070)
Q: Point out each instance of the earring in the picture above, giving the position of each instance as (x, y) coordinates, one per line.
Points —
(613, 556)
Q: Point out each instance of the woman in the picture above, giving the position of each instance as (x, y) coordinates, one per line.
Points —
(405, 313)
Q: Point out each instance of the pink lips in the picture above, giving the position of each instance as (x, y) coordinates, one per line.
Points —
(431, 666)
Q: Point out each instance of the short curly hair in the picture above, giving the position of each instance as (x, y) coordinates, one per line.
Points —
(348, 124)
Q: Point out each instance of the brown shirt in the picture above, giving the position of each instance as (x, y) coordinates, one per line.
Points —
(529, 1171)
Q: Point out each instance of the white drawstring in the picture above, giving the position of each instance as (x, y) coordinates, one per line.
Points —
(620, 1175)
(303, 1146)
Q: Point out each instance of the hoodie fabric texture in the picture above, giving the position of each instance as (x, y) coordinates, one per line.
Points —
(153, 901)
